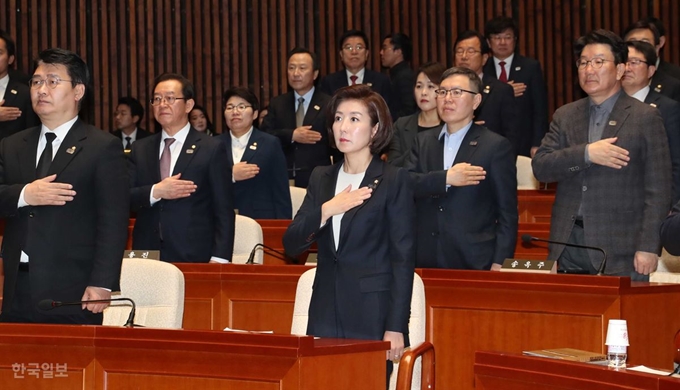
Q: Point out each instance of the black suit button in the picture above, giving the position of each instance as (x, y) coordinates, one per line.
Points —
(441, 208)
(31, 215)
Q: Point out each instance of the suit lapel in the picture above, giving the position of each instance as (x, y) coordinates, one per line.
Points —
(469, 145)
(227, 141)
(515, 67)
(580, 122)
(314, 109)
(371, 178)
(11, 93)
(189, 150)
(251, 148)
(486, 91)
(434, 155)
(28, 155)
(327, 192)
(618, 115)
(69, 148)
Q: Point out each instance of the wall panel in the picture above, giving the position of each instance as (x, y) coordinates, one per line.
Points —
(222, 43)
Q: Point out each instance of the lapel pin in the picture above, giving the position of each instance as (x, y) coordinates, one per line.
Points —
(193, 146)
(473, 143)
(658, 88)
(653, 104)
(71, 150)
(487, 89)
(253, 146)
(13, 91)
(369, 84)
(518, 68)
(612, 123)
(374, 185)
(190, 151)
(317, 107)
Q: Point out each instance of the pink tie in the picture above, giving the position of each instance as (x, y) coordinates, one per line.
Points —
(354, 79)
(166, 158)
(504, 76)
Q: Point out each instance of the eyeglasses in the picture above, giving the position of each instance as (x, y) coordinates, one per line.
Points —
(470, 52)
(635, 62)
(357, 48)
(157, 100)
(238, 108)
(596, 63)
(499, 37)
(52, 82)
(455, 92)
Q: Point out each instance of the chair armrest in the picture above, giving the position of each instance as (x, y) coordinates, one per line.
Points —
(407, 362)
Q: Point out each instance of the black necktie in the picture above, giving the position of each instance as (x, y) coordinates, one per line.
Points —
(128, 145)
(45, 157)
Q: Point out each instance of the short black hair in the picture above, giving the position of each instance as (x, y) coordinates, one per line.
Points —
(187, 86)
(301, 50)
(136, 108)
(647, 50)
(656, 22)
(475, 81)
(352, 33)
(499, 24)
(483, 44)
(9, 42)
(243, 93)
(401, 41)
(644, 24)
(616, 44)
(75, 66)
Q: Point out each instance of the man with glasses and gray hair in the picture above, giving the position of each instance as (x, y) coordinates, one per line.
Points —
(465, 184)
(609, 155)
(181, 185)
(64, 192)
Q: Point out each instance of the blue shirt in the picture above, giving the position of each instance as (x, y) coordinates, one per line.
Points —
(307, 97)
(452, 144)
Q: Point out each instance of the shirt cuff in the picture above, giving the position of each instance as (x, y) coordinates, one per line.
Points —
(153, 200)
(22, 201)
(587, 156)
(219, 260)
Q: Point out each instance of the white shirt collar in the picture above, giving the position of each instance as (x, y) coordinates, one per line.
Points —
(641, 95)
(3, 86)
(307, 96)
(508, 61)
(180, 137)
(60, 131)
(360, 76)
(242, 140)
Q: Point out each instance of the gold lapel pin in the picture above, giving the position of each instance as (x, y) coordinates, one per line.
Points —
(317, 108)
(13, 92)
(487, 89)
(369, 84)
(612, 123)
(653, 104)
(253, 146)
(658, 88)
(71, 150)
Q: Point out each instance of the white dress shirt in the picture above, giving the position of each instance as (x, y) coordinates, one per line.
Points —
(3, 86)
(359, 74)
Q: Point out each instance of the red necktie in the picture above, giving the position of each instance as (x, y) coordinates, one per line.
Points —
(354, 79)
(504, 76)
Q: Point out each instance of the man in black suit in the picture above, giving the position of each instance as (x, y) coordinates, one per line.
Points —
(181, 183)
(669, 68)
(16, 113)
(465, 184)
(662, 81)
(354, 51)
(524, 75)
(301, 127)
(498, 110)
(128, 116)
(635, 82)
(395, 55)
(67, 218)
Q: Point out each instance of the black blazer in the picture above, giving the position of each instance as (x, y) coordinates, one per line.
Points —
(368, 280)
(280, 122)
(499, 110)
(376, 80)
(403, 80)
(18, 95)
(666, 85)
(465, 227)
(78, 244)
(267, 195)
(533, 104)
(405, 131)
(670, 231)
(670, 69)
(670, 113)
(191, 229)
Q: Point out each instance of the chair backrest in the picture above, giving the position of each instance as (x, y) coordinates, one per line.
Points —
(297, 195)
(525, 174)
(247, 234)
(416, 325)
(668, 262)
(156, 287)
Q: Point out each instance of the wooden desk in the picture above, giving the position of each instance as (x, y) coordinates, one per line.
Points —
(123, 358)
(469, 311)
(494, 370)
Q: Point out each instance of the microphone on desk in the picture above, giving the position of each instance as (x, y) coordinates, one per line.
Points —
(273, 252)
(49, 304)
(527, 239)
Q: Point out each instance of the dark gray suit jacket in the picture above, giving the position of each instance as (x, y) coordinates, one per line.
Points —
(623, 208)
